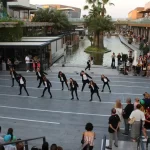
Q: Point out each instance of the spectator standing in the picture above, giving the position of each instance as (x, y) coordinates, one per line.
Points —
(119, 58)
(27, 60)
(135, 119)
(147, 123)
(126, 114)
(118, 107)
(88, 137)
(137, 101)
(113, 61)
(114, 123)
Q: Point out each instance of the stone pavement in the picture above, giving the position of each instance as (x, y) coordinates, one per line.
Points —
(61, 120)
(132, 46)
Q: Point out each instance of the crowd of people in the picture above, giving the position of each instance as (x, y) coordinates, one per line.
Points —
(131, 63)
(41, 76)
(134, 115)
(9, 137)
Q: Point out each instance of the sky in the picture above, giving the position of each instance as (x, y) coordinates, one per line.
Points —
(120, 10)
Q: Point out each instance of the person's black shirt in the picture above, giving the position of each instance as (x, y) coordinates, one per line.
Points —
(113, 120)
(128, 110)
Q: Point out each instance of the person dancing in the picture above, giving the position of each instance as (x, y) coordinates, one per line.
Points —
(40, 74)
(47, 85)
(63, 79)
(94, 89)
(22, 84)
(13, 76)
(88, 65)
(105, 82)
(73, 87)
(85, 79)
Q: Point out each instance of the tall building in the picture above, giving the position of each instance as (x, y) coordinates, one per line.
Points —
(135, 14)
(20, 9)
(72, 12)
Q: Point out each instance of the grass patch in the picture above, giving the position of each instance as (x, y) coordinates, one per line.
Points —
(92, 49)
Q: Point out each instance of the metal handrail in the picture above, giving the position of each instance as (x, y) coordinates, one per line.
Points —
(25, 141)
(103, 144)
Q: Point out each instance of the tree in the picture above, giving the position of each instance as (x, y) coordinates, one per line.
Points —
(97, 21)
(58, 18)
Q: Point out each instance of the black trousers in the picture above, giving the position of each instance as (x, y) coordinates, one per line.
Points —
(13, 81)
(88, 148)
(72, 91)
(23, 86)
(47, 88)
(84, 83)
(41, 80)
(113, 63)
(88, 67)
(62, 83)
(107, 85)
(96, 93)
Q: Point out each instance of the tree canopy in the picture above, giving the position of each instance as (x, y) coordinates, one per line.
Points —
(58, 18)
(97, 21)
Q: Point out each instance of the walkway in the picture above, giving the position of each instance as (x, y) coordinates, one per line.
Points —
(132, 46)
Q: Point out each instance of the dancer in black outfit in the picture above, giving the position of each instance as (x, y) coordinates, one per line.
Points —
(40, 74)
(94, 89)
(22, 84)
(47, 85)
(13, 76)
(105, 82)
(88, 65)
(63, 79)
(85, 79)
(73, 87)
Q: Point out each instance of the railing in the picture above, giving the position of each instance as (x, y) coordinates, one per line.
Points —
(103, 144)
(140, 21)
(25, 142)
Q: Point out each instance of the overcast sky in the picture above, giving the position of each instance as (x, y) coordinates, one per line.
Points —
(120, 10)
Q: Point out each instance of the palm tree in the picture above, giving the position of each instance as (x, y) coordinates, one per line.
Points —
(58, 18)
(97, 22)
(104, 3)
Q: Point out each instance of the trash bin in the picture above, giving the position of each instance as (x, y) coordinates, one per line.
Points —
(4, 66)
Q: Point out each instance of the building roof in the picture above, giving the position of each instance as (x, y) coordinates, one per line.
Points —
(23, 44)
(137, 8)
(16, 5)
(40, 39)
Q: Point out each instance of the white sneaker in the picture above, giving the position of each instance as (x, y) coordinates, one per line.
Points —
(27, 71)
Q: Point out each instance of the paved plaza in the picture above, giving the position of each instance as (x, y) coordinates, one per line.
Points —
(60, 119)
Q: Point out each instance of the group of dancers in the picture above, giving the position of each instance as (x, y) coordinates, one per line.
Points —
(41, 76)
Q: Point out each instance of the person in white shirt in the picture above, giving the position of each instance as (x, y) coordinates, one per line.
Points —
(63, 79)
(47, 85)
(85, 79)
(94, 89)
(27, 60)
(22, 84)
(105, 82)
(139, 120)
